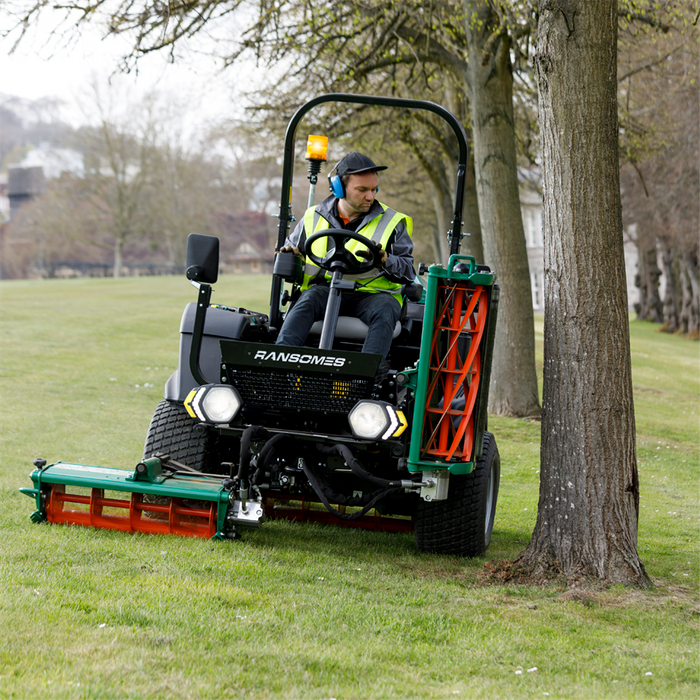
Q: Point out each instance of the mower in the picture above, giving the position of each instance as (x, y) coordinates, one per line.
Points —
(249, 430)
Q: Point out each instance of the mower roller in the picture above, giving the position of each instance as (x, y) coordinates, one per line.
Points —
(249, 430)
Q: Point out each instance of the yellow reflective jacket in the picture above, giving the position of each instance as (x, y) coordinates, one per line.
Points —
(379, 230)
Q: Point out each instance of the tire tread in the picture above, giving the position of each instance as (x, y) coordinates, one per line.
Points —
(172, 432)
(456, 525)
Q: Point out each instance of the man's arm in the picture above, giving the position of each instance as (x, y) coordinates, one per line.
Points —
(399, 264)
(294, 240)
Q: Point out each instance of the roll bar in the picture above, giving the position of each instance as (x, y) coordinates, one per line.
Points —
(285, 213)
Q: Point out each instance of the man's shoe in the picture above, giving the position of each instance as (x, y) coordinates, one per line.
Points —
(382, 372)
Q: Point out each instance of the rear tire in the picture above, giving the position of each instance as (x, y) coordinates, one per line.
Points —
(172, 432)
(462, 524)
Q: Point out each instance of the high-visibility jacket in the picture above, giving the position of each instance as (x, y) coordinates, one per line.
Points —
(379, 230)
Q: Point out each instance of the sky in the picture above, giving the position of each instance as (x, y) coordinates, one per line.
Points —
(43, 66)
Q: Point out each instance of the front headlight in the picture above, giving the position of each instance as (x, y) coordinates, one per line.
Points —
(372, 420)
(213, 403)
(368, 419)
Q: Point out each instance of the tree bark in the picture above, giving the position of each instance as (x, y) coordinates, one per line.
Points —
(473, 243)
(652, 273)
(690, 311)
(118, 257)
(589, 489)
(513, 390)
(670, 304)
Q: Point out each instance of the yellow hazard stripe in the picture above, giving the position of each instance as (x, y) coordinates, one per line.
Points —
(402, 421)
(188, 403)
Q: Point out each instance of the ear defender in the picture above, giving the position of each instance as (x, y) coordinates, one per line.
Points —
(337, 186)
(334, 183)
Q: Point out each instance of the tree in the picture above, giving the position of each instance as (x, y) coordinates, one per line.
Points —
(589, 488)
(470, 43)
(660, 118)
(489, 81)
(118, 168)
(187, 187)
(660, 108)
(54, 226)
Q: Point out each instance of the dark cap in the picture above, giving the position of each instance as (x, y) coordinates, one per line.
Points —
(355, 163)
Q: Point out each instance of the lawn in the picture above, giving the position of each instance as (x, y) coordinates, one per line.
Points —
(306, 611)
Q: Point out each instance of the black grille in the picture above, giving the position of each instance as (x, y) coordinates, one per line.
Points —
(279, 390)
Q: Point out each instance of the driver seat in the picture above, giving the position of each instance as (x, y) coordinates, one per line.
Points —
(350, 328)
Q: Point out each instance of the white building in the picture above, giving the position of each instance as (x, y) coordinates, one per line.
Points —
(531, 206)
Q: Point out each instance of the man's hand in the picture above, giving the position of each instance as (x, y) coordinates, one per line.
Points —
(290, 249)
(368, 256)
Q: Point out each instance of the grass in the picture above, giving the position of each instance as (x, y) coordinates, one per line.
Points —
(306, 611)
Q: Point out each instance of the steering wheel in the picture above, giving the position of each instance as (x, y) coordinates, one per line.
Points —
(338, 256)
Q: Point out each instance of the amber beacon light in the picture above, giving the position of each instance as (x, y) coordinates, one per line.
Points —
(316, 148)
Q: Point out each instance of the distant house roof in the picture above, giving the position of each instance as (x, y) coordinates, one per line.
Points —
(25, 181)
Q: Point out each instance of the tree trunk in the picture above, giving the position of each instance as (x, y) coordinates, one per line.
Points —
(589, 488)
(473, 243)
(670, 305)
(653, 305)
(443, 201)
(690, 312)
(118, 257)
(444, 205)
(513, 389)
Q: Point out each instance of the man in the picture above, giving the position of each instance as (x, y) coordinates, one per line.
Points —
(377, 298)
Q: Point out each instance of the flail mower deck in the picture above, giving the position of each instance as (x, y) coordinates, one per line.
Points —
(250, 430)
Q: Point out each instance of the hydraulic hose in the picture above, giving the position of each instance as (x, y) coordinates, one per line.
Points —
(324, 493)
(347, 455)
(268, 451)
(254, 432)
(321, 493)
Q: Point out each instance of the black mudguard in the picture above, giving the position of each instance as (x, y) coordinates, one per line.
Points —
(219, 324)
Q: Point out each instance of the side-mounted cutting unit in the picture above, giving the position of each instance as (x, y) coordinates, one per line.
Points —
(250, 430)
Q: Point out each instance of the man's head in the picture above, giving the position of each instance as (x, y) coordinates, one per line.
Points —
(358, 176)
(355, 163)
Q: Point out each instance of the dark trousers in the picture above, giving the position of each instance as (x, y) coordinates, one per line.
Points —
(379, 310)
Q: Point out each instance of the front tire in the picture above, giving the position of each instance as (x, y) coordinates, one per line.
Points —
(462, 524)
(172, 432)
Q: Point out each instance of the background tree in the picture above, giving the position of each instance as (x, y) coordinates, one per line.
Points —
(119, 166)
(187, 187)
(589, 489)
(513, 390)
(143, 186)
(660, 111)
